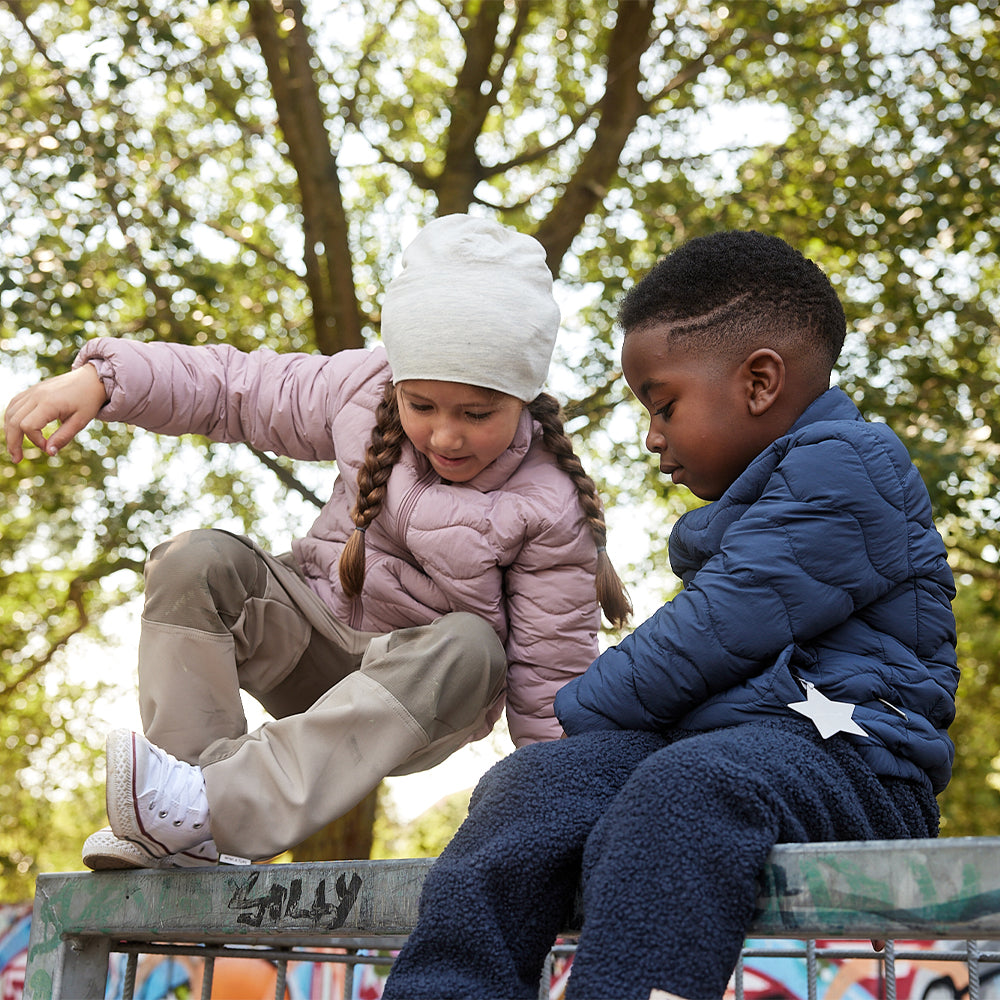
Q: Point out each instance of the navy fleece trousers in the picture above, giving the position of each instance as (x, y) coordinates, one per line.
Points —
(668, 836)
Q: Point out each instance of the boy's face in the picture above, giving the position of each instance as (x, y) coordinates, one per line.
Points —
(700, 423)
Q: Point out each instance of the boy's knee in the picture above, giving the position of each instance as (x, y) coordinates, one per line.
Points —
(524, 774)
(699, 776)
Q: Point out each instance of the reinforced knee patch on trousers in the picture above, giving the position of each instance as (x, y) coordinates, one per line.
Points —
(201, 580)
(444, 673)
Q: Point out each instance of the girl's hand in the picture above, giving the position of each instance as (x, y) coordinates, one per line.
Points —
(73, 400)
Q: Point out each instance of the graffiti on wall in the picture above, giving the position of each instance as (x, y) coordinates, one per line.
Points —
(924, 970)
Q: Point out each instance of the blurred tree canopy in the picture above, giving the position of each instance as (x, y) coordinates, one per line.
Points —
(247, 173)
(424, 836)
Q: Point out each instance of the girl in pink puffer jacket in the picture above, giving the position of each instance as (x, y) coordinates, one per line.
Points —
(451, 572)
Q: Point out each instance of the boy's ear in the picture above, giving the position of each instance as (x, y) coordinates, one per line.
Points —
(764, 376)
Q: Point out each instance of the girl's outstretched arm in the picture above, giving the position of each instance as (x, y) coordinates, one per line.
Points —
(73, 399)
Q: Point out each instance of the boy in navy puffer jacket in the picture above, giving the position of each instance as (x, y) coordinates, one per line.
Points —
(798, 689)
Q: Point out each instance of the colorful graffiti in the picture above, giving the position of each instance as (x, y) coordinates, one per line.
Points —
(169, 977)
(776, 969)
(177, 977)
(924, 970)
(848, 970)
(15, 925)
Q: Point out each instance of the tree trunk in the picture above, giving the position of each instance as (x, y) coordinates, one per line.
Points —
(620, 108)
(348, 838)
(288, 52)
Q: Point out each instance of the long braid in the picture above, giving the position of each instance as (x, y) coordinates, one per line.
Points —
(610, 591)
(383, 453)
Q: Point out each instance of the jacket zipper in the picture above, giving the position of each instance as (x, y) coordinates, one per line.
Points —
(405, 509)
(410, 501)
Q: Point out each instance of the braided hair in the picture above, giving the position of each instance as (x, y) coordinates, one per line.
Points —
(611, 594)
(384, 451)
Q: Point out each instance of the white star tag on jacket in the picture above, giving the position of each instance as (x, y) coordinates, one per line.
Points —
(828, 716)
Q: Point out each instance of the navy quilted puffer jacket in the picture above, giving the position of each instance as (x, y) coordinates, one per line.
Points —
(820, 565)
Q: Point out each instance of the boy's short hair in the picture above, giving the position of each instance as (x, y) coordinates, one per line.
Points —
(740, 291)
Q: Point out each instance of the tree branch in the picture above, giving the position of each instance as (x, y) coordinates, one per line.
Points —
(286, 478)
(619, 109)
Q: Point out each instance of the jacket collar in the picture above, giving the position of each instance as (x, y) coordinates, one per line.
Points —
(834, 404)
(697, 535)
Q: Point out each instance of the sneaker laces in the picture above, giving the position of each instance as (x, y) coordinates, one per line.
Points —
(175, 791)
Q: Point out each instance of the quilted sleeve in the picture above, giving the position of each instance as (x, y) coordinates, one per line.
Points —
(283, 403)
(826, 536)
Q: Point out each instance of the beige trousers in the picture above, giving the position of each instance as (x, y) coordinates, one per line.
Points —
(350, 707)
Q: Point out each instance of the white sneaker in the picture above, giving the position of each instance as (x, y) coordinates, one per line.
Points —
(103, 851)
(153, 799)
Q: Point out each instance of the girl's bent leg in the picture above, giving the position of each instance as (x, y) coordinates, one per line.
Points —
(203, 588)
(449, 676)
(671, 871)
(504, 887)
(419, 694)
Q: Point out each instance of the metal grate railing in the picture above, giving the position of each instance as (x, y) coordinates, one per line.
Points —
(351, 914)
(803, 970)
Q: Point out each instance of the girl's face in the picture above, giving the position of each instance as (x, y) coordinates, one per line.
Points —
(700, 424)
(460, 428)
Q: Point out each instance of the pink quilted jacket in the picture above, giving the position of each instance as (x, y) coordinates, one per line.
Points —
(511, 545)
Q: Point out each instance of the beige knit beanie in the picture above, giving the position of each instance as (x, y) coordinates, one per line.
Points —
(473, 303)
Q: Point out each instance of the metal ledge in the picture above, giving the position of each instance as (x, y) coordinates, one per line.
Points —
(947, 888)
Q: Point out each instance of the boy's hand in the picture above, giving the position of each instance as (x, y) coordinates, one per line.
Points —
(73, 400)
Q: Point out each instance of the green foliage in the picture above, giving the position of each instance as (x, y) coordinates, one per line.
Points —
(49, 805)
(971, 803)
(162, 178)
(423, 837)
